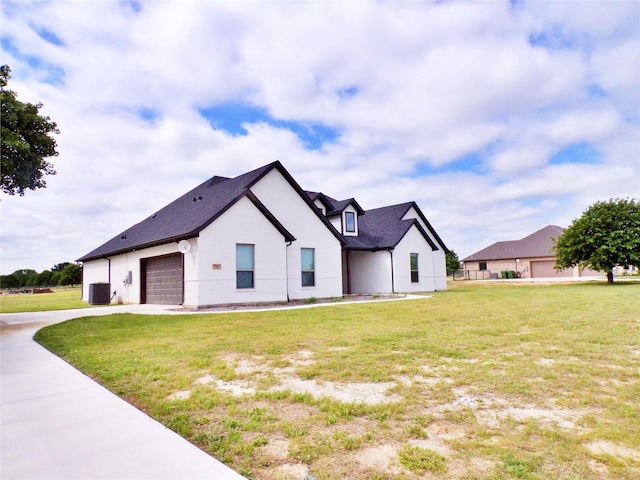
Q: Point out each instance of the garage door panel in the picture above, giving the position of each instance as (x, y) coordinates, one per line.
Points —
(546, 269)
(164, 280)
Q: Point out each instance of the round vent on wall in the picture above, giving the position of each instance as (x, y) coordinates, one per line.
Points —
(184, 246)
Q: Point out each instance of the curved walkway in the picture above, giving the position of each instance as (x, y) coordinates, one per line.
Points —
(57, 423)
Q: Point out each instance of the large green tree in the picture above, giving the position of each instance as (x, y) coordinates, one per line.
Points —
(44, 279)
(605, 236)
(26, 142)
(24, 276)
(71, 275)
(9, 281)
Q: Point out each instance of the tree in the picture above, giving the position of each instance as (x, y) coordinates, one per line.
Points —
(58, 267)
(26, 142)
(55, 278)
(44, 279)
(9, 281)
(606, 235)
(71, 275)
(452, 261)
(24, 276)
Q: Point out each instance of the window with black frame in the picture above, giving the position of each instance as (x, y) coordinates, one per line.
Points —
(245, 266)
(415, 277)
(350, 219)
(308, 262)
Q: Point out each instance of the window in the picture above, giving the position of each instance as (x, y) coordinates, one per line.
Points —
(414, 268)
(244, 266)
(350, 219)
(483, 265)
(308, 261)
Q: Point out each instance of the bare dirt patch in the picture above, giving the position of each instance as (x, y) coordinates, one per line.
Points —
(609, 448)
(368, 393)
(373, 456)
(562, 418)
(381, 458)
(276, 449)
(288, 471)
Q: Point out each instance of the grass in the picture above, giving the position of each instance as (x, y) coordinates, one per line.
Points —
(62, 298)
(485, 382)
(419, 460)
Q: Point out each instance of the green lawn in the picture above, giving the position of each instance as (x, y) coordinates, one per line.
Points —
(62, 298)
(483, 381)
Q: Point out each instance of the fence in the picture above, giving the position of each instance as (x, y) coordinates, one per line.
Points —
(476, 275)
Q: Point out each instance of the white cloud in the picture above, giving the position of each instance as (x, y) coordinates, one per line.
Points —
(415, 89)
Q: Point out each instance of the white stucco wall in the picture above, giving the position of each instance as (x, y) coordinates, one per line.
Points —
(243, 223)
(413, 242)
(115, 271)
(370, 272)
(310, 232)
(439, 256)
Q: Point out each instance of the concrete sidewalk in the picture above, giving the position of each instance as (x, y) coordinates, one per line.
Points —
(57, 423)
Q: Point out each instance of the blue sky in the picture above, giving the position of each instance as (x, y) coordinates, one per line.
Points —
(498, 118)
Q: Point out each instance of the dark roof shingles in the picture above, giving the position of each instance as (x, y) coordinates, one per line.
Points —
(538, 244)
(184, 217)
(380, 228)
(383, 228)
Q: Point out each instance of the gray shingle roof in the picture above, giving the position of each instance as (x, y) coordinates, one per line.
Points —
(194, 211)
(335, 207)
(383, 228)
(538, 244)
(380, 228)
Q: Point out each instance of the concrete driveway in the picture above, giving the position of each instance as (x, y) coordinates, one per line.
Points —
(57, 423)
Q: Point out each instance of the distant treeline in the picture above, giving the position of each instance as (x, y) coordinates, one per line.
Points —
(61, 274)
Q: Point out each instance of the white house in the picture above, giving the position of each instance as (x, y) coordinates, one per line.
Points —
(259, 237)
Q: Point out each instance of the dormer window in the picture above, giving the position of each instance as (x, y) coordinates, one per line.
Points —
(350, 221)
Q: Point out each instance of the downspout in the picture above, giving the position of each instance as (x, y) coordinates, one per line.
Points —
(393, 277)
(286, 266)
(82, 282)
(109, 279)
(348, 272)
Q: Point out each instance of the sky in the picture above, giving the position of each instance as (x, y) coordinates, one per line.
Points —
(498, 118)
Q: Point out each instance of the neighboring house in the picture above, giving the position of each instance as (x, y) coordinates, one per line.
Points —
(259, 237)
(530, 257)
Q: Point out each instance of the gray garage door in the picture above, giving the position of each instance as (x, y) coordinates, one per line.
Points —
(545, 270)
(162, 280)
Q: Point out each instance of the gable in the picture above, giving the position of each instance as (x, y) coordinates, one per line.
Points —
(415, 213)
(288, 202)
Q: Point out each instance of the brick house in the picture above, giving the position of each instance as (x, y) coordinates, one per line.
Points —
(529, 257)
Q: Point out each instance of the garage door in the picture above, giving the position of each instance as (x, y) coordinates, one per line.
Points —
(162, 280)
(546, 269)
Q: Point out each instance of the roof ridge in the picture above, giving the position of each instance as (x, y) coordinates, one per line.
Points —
(408, 204)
